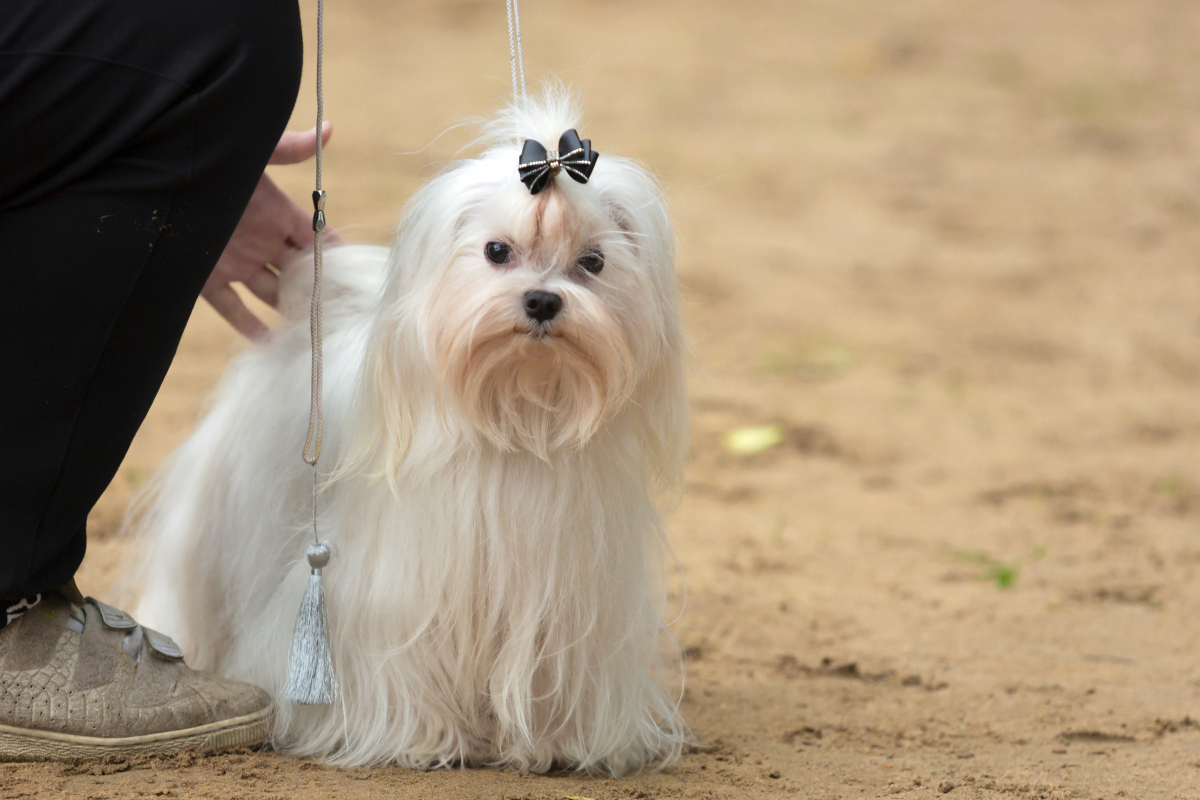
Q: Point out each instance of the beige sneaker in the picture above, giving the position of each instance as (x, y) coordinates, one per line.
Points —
(81, 679)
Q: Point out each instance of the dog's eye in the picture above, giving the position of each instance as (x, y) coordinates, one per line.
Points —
(593, 262)
(498, 252)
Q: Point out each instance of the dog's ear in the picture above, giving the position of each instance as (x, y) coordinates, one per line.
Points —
(638, 206)
(395, 363)
(665, 422)
(380, 433)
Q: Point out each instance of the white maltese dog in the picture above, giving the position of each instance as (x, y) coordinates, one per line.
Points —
(505, 403)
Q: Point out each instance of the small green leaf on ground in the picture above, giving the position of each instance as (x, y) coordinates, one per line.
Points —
(1170, 486)
(809, 360)
(752, 439)
(1003, 575)
(830, 359)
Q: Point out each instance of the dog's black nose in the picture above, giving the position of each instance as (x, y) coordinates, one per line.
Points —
(542, 306)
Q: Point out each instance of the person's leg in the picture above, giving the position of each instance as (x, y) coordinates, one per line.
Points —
(132, 135)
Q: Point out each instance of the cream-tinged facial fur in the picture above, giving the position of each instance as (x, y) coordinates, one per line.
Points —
(488, 483)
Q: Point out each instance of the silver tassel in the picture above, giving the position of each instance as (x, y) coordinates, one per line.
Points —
(310, 669)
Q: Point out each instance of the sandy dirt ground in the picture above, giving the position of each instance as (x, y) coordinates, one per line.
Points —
(951, 248)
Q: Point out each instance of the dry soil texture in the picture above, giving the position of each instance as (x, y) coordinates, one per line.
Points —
(950, 246)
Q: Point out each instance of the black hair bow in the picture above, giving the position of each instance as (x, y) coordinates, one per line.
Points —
(537, 166)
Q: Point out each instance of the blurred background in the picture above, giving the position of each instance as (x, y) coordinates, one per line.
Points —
(940, 269)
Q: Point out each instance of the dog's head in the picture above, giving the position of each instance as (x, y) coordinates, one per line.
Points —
(530, 321)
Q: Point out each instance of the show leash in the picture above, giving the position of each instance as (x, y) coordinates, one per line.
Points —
(516, 56)
(311, 679)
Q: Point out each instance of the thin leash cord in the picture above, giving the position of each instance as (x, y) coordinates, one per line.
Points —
(516, 55)
(316, 412)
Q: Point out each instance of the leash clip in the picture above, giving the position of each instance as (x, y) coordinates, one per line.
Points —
(319, 213)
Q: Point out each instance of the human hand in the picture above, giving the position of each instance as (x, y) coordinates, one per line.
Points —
(272, 229)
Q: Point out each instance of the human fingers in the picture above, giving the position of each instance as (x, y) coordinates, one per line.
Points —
(300, 234)
(226, 303)
(265, 285)
(297, 146)
(274, 218)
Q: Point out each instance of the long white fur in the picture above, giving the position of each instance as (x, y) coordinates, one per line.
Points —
(496, 595)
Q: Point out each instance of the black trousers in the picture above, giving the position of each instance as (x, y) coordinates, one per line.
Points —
(132, 134)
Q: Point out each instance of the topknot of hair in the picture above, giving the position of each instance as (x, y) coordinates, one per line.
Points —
(543, 117)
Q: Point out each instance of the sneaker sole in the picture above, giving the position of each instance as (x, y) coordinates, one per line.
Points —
(25, 744)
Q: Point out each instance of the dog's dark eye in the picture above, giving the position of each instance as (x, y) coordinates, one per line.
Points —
(593, 262)
(498, 252)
